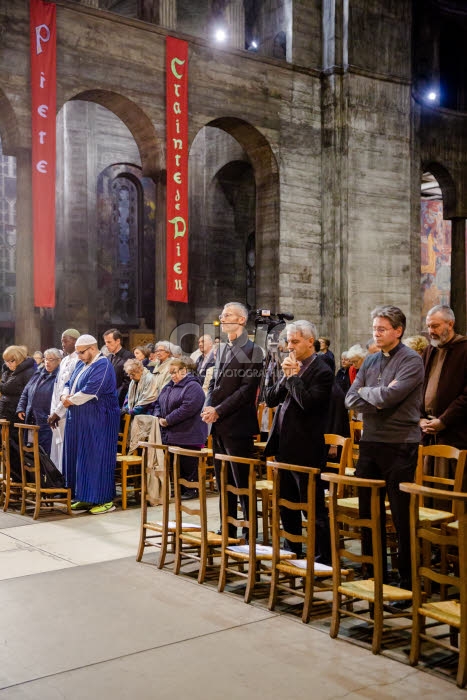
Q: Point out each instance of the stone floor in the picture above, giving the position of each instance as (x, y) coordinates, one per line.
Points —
(81, 618)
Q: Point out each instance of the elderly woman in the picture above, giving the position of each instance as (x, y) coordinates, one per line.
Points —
(34, 404)
(356, 354)
(17, 371)
(142, 392)
(163, 353)
(179, 411)
(417, 343)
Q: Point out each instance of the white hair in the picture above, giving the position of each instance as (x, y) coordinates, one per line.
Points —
(307, 329)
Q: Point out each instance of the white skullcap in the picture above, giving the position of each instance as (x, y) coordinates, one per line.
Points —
(85, 340)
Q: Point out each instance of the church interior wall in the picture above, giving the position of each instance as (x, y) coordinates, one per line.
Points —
(335, 155)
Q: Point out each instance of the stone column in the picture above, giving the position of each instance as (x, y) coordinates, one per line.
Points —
(168, 14)
(458, 274)
(27, 326)
(235, 16)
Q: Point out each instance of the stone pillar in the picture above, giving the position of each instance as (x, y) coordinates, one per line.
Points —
(235, 16)
(168, 14)
(27, 326)
(458, 274)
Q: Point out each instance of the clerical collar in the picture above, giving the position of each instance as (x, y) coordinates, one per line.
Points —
(240, 340)
(392, 352)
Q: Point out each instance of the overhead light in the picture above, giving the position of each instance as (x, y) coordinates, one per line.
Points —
(220, 34)
(254, 45)
(432, 96)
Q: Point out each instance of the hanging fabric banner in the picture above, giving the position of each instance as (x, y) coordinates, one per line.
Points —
(43, 111)
(177, 169)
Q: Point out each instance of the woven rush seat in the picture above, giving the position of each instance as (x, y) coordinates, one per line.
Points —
(261, 550)
(365, 589)
(447, 611)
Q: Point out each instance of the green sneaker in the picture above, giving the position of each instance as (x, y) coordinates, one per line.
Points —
(81, 507)
(102, 508)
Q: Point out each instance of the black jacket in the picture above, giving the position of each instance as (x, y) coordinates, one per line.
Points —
(300, 438)
(12, 385)
(234, 386)
(123, 380)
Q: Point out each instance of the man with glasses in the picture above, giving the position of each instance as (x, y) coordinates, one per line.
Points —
(388, 392)
(91, 430)
(231, 399)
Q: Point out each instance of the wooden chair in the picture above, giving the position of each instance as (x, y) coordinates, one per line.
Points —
(371, 590)
(356, 428)
(128, 476)
(235, 556)
(32, 491)
(341, 467)
(299, 577)
(122, 441)
(451, 613)
(435, 515)
(163, 531)
(200, 543)
(10, 490)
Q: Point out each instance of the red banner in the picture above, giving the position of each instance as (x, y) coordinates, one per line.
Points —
(177, 169)
(43, 110)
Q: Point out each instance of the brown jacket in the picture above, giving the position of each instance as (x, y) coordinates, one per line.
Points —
(451, 397)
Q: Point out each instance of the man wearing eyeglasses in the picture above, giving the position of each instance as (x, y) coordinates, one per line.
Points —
(388, 392)
(231, 399)
(91, 429)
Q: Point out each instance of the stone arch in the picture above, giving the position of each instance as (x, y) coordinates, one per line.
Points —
(447, 185)
(266, 173)
(9, 129)
(138, 123)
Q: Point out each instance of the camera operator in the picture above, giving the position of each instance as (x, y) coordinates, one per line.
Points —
(297, 434)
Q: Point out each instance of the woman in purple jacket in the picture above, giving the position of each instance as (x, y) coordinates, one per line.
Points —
(178, 408)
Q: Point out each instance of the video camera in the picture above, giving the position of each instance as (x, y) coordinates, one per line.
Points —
(268, 327)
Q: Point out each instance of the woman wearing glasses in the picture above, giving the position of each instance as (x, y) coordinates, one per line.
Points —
(178, 409)
(18, 369)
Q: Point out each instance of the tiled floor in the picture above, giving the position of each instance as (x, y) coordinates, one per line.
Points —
(81, 618)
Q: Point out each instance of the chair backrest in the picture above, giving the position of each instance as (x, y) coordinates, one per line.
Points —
(5, 448)
(248, 492)
(308, 508)
(162, 472)
(344, 523)
(345, 443)
(425, 538)
(30, 471)
(438, 482)
(187, 506)
(356, 428)
(122, 442)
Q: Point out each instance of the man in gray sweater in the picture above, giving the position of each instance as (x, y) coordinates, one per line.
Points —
(388, 392)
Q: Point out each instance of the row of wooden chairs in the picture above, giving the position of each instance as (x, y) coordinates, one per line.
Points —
(29, 491)
(194, 540)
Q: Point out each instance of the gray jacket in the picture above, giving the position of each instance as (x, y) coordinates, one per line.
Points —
(390, 413)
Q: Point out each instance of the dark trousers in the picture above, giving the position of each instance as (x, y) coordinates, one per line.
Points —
(237, 474)
(395, 463)
(294, 488)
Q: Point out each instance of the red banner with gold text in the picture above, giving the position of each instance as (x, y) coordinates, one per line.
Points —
(43, 93)
(177, 169)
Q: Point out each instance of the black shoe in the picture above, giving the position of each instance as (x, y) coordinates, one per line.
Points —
(189, 494)
(397, 606)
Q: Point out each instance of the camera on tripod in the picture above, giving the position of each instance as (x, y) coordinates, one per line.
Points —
(268, 327)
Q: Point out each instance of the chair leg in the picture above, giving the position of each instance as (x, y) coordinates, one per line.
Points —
(7, 497)
(273, 589)
(462, 666)
(124, 484)
(415, 645)
(203, 556)
(23, 502)
(142, 539)
(377, 630)
(336, 616)
(178, 556)
(163, 547)
(37, 506)
(222, 572)
(308, 601)
(250, 583)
